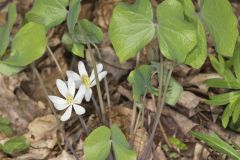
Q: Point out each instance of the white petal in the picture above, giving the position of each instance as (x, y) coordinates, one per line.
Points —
(80, 94)
(62, 87)
(82, 69)
(99, 67)
(71, 86)
(67, 114)
(57, 100)
(79, 109)
(88, 94)
(75, 77)
(60, 106)
(100, 77)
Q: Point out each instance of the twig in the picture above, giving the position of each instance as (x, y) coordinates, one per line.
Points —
(158, 115)
(56, 62)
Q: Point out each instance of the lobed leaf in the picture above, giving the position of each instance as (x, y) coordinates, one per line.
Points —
(48, 12)
(131, 28)
(176, 36)
(221, 23)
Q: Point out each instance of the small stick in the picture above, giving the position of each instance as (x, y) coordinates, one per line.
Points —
(56, 62)
(83, 124)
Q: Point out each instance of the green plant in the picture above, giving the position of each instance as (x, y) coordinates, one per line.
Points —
(217, 144)
(229, 80)
(99, 143)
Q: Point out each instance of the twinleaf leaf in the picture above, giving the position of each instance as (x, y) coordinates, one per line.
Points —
(221, 23)
(121, 147)
(73, 13)
(198, 55)
(28, 45)
(78, 50)
(47, 12)
(15, 144)
(131, 28)
(91, 33)
(140, 79)
(177, 37)
(217, 144)
(5, 30)
(97, 145)
(9, 70)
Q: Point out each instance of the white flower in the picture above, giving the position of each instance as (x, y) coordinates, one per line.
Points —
(67, 90)
(83, 81)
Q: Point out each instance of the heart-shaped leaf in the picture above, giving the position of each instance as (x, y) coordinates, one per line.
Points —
(121, 147)
(97, 145)
(177, 37)
(131, 28)
(221, 23)
(198, 55)
(48, 12)
(9, 70)
(25, 46)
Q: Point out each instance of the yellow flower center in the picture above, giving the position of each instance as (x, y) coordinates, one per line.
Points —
(85, 80)
(69, 99)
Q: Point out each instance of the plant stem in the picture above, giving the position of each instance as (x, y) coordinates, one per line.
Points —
(105, 83)
(83, 124)
(96, 107)
(60, 128)
(95, 74)
(133, 120)
(56, 62)
(158, 115)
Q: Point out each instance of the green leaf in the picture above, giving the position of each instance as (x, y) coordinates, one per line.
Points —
(174, 89)
(4, 121)
(97, 145)
(222, 83)
(222, 25)
(6, 129)
(198, 55)
(131, 28)
(48, 13)
(15, 144)
(177, 37)
(121, 147)
(217, 144)
(220, 66)
(236, 59)
(5, 126)
(5, 30)
(9, 70)
(178, 143)
(78, 50)
(228, 113)
(236, 112)
(140, 79)
(92, 32)
(28, 45)
(224, 98)
(73, 13)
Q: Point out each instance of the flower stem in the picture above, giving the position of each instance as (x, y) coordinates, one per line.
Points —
(60, 128)
(93, 61)
(83, 124)
(56, 62)
(158, 114)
